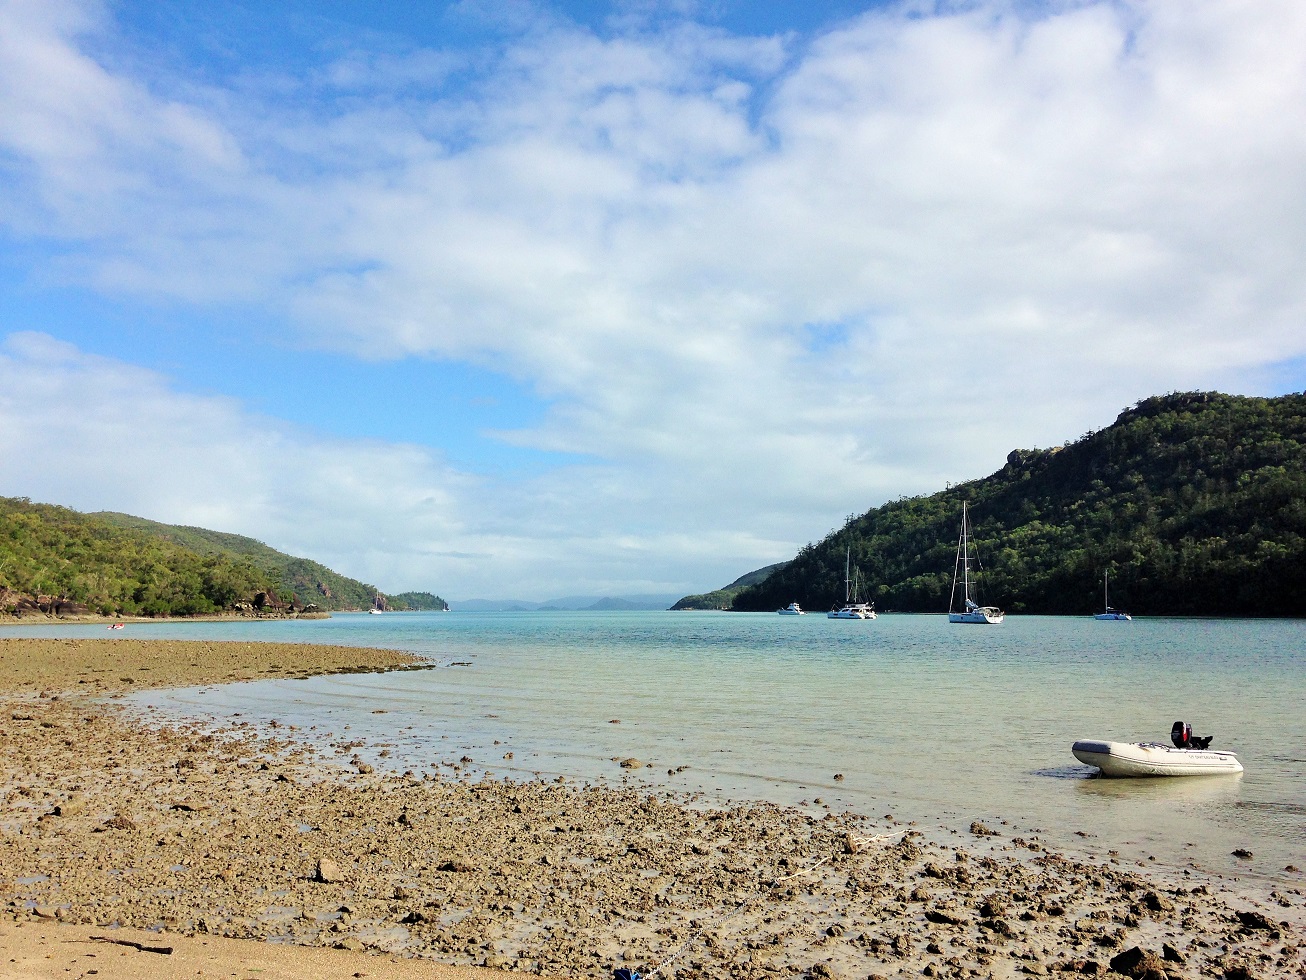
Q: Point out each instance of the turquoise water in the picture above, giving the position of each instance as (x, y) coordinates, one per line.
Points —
(925, 720)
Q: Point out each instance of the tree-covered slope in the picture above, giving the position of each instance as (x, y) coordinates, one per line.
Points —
(723, 598)
(117, 564)
(308, 581)
(56, 552)
(418, 601)
(1196, 503)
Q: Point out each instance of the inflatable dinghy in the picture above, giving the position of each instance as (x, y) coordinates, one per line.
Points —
(1189, 756)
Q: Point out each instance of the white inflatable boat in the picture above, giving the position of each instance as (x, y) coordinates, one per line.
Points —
(1153, 759)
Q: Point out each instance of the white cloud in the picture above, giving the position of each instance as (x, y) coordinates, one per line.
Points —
(94, 434)
(763, 284)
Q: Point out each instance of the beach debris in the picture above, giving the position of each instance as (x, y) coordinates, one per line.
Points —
(979, 830)
(457, 866)
(1139, 963)
(838, 777)
(631, 763)
(945, 917)
(1256, 920)
(327, 872)
(1242, 852)
(164, 950)
(1156, 903)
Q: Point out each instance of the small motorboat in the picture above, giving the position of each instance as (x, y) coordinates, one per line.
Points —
(1188, 756)
(793, 609)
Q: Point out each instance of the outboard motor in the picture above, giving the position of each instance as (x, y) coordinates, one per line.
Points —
(1182, 736)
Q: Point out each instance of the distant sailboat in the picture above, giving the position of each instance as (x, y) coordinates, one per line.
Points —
(851, 608)
(378, 605)
(1117, 615)
(970, 611)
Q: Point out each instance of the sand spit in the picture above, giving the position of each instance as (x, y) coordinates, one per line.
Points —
(242, 834)
(122, 663)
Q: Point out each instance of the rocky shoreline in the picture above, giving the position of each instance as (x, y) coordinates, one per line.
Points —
(106, 819)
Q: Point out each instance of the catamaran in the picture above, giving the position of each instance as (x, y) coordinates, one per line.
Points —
(970, 611)
(851, 608)
(1111, 614)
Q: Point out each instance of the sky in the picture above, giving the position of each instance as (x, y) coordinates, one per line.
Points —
(501, 298)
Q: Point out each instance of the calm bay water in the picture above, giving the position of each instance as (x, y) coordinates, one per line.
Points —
(925, 720)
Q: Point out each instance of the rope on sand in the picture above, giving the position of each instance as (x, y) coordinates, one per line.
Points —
(854, 845)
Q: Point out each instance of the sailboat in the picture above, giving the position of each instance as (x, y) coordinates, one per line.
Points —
(1109, 613)
(970, 612)
(378, 605)
(851, 608)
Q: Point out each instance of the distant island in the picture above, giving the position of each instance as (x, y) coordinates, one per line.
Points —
(60, 562)
(1194, 502)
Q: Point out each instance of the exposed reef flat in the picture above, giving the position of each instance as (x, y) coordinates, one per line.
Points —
(122, 663)
(240, 833)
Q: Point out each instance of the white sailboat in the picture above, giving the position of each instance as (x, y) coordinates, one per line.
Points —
(1118, 615)
(851, 608)
(970, 611)
(378, 605)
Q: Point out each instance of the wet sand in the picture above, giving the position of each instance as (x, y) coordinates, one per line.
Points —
(241, 833)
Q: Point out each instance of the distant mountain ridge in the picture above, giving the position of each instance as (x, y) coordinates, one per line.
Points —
(570, 603)
(1195, 503)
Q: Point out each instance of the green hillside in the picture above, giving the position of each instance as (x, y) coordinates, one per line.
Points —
(49, 551)
(723, 598)
(1196, 503)
(423, 601)
(117, 564)
(308, 581)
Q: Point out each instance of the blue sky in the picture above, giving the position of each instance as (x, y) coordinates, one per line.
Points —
(541, 299)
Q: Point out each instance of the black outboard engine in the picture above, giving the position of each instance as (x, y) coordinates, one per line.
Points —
(1182, 736)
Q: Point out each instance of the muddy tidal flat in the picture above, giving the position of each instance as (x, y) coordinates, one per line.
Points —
(205, 835)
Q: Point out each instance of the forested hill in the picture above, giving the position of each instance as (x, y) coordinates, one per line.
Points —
(117, 564)
(1196, 503)
(303, 578)
(722, 598)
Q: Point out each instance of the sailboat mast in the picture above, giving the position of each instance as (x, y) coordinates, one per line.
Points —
(965, 555)
(847, 580)
(1106, 601)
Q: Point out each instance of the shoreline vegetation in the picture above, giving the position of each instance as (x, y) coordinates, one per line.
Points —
(200, 840)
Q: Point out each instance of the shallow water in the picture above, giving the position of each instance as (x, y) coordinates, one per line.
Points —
(923, 719)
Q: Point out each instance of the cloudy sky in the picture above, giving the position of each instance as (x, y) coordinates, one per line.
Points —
(496, 298)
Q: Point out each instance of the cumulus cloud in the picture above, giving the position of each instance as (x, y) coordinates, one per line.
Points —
(762, 281)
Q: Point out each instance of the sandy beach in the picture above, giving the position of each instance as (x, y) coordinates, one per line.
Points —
(201, 841)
